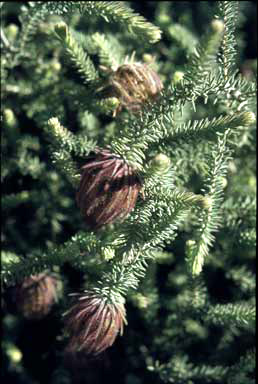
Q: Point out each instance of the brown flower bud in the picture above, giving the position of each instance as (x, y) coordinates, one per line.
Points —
(36, 295)
(93, 323)
(108, 189)
(134, 84)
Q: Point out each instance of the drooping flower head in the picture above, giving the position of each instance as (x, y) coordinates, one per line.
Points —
(134, 84)
(93, 323)
(36, 295)
(108, 189)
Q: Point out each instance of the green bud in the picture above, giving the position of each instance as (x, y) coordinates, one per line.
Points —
(232, 167)
(61, 30)
(217, 26)
(147, 58)
(12, 31)
(56, 65)
(112, 102)
(252, 182)
(248, 118)
(178, 76)
(140, 301)
(164, 18)
(161, 160)
(224, 182)
(195, 328)
(9, 117)
(14, 353)
(160, 163)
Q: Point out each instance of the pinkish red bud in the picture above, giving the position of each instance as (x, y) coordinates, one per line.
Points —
(36, 295)
(135, 84)
(108, 189)
(93, 324)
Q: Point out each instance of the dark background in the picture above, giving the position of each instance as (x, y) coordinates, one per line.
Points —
(43, 360)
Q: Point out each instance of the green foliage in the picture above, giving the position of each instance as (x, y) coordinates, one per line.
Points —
(239, 314)
(116, 11)
(210, 220)
(183, 260)
(78, 56)
(228, 11)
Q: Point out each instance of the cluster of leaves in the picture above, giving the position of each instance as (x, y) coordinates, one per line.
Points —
(184, 257)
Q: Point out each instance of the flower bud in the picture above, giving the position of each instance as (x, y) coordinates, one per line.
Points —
(161, 162)
(178, 76)
(14, 354)
(9, 117)
(223, 182)
(12, 31)
(108, 189)
(134, 84)
(93, 323)
(55, 66)
(147, 58)
(61, 30)
(36, 295)
(248, 118)
(217, 25)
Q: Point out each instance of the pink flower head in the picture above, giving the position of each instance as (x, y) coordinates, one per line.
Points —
(134, 84)
(108, 189)
(93, 324)
(36, 295)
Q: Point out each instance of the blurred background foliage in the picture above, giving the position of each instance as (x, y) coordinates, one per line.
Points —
(39, 209)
